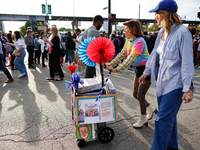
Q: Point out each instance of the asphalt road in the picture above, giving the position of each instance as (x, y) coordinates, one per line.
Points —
(36, 115)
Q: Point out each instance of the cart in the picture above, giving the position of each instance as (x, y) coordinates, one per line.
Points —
(90, 114)
(95, 102)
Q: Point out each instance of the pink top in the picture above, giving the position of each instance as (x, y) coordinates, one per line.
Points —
(50, 48)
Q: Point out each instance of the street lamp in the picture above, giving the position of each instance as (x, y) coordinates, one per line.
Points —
(109, 11)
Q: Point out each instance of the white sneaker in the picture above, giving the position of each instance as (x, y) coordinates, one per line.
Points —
(143, 121)
(79, 72)
(21, 75)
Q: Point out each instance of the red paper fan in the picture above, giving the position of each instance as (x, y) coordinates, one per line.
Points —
(72, 68)
(101, 50)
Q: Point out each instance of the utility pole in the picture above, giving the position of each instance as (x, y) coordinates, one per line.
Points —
(46, 8)
(139, 11)
(109, 12)
(73, 15)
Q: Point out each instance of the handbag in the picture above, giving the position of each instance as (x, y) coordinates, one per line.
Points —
(8, 48)
(18, 54)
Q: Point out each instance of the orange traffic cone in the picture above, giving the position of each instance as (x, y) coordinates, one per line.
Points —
(10, 61)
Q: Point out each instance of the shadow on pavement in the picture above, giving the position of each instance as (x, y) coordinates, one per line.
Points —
(25, 97)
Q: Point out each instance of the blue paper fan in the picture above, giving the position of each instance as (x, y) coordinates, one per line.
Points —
(82, 51)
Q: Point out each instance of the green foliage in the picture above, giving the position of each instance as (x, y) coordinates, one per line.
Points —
(82, 30)
(23, 29)
(143, 28)
(122, 30)
(64, 29)
(152, 28)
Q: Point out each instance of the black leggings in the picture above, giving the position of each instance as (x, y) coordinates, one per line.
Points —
(55, 61)
(37, 56)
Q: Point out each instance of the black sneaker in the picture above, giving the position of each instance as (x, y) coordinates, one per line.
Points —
(31, 67)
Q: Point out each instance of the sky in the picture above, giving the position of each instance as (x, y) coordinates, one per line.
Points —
(90, 8)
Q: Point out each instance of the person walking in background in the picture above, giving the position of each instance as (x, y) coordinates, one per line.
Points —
(77, 41)
(42, 47)
(136, 53)
(172, 73)
(2, 66)
(30, 47)
(19, 60)
(115, 42)
(66, 52)
(70, 46)
(149, 42)
(92, 31)
(198, 55)
(37, 49)
(9, 39)
(3, 41)
(54, 55)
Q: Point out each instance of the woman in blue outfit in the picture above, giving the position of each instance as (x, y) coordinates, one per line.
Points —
(172, 73)
(19, 60)
(2, 66)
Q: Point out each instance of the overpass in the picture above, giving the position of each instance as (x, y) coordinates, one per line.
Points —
(43, 19)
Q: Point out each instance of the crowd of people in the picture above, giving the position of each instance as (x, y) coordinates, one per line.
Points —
(165, 59)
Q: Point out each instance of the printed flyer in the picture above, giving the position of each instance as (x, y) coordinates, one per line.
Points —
(107, 109)
(89, 111)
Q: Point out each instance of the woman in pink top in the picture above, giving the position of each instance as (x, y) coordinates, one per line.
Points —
(55, 54)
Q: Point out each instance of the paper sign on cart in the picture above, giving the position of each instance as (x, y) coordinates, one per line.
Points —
(88, 110)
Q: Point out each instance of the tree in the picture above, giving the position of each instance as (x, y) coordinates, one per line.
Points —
(62, 29)
(82, 30)
(152, 27)
(143, 28)
(28, 24)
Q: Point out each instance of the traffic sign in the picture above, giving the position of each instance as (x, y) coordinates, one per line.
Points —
(43, 9)
(31, 18)
(49, 9)
(34, 18)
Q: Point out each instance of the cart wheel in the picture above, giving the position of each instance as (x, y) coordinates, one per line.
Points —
(106, 134)
(81, 143)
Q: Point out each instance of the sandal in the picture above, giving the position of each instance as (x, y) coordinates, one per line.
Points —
(50, 79)
(59, 79)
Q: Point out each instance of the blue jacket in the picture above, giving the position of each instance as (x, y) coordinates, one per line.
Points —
(115, 42)
(69, 43)
(176, 70)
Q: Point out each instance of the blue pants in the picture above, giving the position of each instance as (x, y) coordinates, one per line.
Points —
(165, 132)
(71, 55)
(3, 68)
(19, 62)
